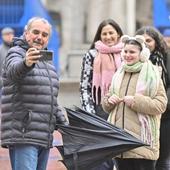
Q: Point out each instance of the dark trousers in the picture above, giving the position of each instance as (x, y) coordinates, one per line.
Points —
(100, 112)
(107, 165)
(163, 162)
(135, 164)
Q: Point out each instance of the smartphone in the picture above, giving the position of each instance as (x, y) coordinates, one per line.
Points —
(46, 55)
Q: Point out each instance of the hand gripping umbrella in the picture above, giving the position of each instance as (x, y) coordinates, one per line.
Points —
(90, 140)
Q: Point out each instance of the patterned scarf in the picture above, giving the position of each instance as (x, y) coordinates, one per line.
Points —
(107, 61)
(147, 84)
(158, 59)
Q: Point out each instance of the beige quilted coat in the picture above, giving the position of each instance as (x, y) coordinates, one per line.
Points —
(127, 118)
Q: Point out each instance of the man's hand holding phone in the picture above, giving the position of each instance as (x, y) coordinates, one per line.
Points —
(33, 56)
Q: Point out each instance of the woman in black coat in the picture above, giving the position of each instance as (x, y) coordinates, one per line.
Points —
(159, 56)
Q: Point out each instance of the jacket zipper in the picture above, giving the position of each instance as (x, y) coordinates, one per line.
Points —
(52, 100)
(123, 118)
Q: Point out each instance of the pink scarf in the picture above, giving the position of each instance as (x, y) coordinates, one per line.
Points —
(107, 61)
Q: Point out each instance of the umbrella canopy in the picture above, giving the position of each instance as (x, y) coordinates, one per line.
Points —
(89, 140)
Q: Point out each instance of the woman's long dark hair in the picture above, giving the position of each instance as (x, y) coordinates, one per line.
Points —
(103, 24)
(159, 54)
(160, 44)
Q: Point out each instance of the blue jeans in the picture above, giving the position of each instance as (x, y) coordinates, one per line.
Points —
(28, 157)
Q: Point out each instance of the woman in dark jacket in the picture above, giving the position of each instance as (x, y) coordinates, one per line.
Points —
(158, 48)
(159, 56)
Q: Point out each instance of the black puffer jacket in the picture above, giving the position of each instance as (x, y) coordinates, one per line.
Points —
(163, 61)
(167, 113)
(29, 100)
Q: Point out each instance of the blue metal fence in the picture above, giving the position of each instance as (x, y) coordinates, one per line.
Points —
(16, 13)
(161, 14)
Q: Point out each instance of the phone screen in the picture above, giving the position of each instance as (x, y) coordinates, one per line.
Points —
(46, 55)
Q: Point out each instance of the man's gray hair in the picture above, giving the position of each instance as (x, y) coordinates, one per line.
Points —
(30, 21)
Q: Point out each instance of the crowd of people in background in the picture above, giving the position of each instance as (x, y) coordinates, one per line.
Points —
(124, 80)
(7, 35)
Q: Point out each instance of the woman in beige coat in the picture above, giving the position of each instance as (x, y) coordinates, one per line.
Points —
(135, 102)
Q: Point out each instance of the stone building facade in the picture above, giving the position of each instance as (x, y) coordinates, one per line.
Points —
(77, 20)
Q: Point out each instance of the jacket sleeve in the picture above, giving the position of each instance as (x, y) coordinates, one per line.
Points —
(59, 112)
(86, 83)
(15, 67)
(152, 106)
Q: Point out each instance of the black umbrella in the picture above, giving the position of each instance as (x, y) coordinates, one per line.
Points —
(90, 121)
(89, 140)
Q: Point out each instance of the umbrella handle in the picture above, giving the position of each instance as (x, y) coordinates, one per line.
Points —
(75, 161)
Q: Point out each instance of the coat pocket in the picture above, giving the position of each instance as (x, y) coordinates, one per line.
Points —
(27, 119)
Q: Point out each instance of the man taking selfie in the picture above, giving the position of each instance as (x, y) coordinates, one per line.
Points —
(29, 99)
